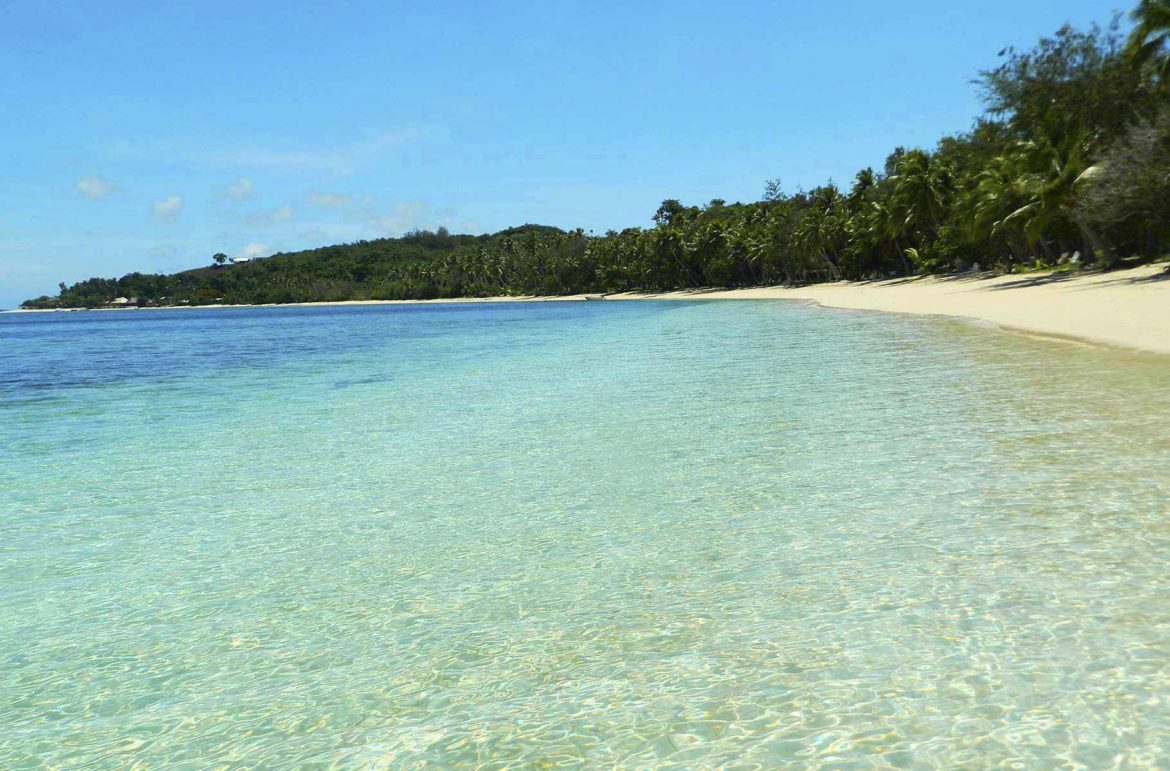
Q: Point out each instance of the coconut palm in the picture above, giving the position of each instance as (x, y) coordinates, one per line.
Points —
(821, 232)
(1038, 184)
(922, 190)
(995, 194)
(1151, 35)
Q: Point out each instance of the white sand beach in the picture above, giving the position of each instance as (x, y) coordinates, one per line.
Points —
(1127, 308)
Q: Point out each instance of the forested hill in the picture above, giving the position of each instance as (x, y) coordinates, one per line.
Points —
(1068, 165)
(421, 265)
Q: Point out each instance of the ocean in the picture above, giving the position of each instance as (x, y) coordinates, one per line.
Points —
(643, 534)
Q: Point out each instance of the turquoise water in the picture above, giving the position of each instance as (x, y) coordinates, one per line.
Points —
(553, 534)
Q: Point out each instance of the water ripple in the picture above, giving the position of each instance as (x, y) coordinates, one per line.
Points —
(654, 535)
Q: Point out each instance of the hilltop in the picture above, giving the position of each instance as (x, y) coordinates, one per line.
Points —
(1069, 165)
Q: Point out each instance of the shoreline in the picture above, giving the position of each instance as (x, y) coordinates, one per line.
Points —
(1127, 308)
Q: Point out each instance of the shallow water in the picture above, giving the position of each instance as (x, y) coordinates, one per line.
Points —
(642, 534)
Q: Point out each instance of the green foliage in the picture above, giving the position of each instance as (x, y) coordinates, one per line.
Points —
(1150, 41)
(1072, 156)
(1129, 190)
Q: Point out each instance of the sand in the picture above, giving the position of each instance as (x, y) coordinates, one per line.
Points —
(1126, 308)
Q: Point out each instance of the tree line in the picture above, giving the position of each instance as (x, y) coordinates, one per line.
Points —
(1068, 165)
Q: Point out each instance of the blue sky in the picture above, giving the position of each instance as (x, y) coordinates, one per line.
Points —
(140, 136)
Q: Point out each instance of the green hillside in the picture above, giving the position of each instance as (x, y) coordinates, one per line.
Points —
(1069, 165)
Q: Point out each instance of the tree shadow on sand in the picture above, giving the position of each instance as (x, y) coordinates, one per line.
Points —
(1060, 278)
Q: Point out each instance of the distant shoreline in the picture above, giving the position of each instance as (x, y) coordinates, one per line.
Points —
(1124, 308)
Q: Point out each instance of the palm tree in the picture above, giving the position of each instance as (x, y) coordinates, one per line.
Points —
(994, 195)
(1036, 186)
(1151, 35)
(863, 185)
(821, 232)
(921, 193)
(768, 246)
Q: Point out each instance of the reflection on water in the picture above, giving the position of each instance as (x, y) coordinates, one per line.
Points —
(646, 534)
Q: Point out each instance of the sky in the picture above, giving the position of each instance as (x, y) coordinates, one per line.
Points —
(148, 136)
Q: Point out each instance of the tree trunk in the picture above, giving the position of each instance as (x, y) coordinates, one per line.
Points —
(1046, 251)
(834, 273)
(1097, 241)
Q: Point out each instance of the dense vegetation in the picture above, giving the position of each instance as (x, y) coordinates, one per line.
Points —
(1070, 164)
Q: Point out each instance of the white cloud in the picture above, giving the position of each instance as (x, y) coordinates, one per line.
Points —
(330, 200)
(335, 159)
(167, 209)
(239, 190)
(274, 217)
(403, 216)
(94, 187)
(339, 159)
(254, 250)
(314, 236)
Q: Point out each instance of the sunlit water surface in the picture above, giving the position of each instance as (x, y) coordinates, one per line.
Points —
(639, 534)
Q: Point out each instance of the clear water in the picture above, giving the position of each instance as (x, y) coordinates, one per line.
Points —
(637, 534)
